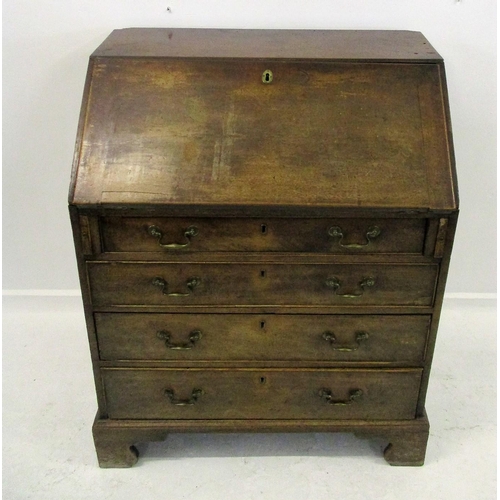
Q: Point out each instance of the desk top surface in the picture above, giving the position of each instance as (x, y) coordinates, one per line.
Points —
(269, 44)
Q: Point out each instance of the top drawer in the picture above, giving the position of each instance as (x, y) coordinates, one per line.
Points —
(336, 236)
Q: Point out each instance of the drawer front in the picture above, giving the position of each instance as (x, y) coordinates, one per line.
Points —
(128, 283)
(336, 236)
(254, 337)
(261, 394)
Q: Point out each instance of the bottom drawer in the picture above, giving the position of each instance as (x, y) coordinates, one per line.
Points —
(261, 394)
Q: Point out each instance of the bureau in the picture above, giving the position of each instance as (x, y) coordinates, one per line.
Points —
(263, 224)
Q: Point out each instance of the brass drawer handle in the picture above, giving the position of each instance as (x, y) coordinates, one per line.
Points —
(335, 283)
(191, 284)
(188, 234)
(354, 395)
(195, 395)
(194, 336)
(330, 337)
(372, 232)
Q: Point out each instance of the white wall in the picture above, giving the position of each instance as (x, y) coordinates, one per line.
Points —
(46, 47)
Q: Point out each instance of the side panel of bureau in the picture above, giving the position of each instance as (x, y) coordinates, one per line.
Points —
(81, 238)
(445, 241)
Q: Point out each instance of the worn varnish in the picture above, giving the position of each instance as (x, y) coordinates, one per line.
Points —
(210, 129)
(263, 223)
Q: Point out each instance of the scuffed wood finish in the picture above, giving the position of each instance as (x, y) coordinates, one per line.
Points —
(213, 134)
(264, 337)
(263, 257)
(122, 234)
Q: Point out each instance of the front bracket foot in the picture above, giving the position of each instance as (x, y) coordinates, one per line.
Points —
(407, 448)
(114, 450)
(114, 441)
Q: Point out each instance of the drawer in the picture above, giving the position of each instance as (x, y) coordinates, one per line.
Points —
(337, 236)
(261, 394)
(169, 284)
(254, 337)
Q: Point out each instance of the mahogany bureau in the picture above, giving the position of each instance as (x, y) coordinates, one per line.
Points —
(263, 223)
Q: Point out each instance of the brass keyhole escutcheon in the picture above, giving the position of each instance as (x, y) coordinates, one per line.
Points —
(267, 76)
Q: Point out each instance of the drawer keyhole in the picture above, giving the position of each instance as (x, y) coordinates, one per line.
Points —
(262, 380)
(263, 274)
(267, 76)
(262, 325)
(263, 228)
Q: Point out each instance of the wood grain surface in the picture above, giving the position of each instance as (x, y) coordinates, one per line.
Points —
(171, 131)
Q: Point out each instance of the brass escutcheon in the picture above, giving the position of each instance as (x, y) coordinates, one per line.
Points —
(267, 76)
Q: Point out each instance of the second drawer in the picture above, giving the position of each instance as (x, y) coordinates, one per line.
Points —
(174, 284)
(254, 337)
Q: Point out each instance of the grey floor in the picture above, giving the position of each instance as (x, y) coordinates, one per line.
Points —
(49, 406)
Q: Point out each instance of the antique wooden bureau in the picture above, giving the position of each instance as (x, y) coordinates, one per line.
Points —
(263, 223)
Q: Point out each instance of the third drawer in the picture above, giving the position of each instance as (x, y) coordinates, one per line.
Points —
(262, 337)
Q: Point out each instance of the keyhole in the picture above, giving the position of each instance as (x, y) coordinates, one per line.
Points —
(262, 324)
(267, 76)
(263, 229)
(263, 274)
(262, 380)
